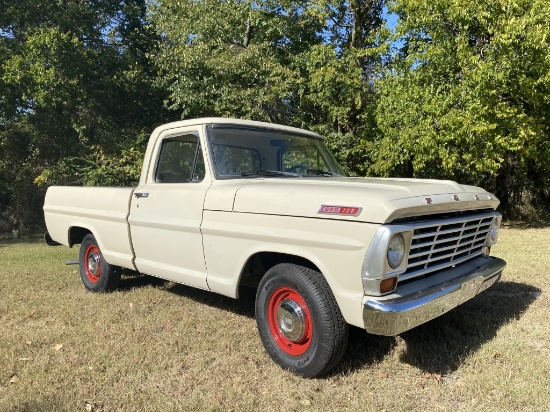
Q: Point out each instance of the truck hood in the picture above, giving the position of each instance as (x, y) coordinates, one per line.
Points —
(376, 200)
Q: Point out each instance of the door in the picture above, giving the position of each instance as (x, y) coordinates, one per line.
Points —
(166, 211)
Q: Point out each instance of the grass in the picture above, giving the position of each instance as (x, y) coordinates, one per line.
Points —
(159, 346)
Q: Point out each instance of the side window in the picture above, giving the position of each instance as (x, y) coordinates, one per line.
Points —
(180, 160)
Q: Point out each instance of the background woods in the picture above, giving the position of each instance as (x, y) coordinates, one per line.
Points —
(457, 89)
(77, 97)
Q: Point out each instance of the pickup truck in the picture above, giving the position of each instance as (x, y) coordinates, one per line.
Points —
(225, 203)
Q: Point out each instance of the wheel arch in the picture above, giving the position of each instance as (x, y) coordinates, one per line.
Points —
(77, 234)
(258, 263)
(249, 274)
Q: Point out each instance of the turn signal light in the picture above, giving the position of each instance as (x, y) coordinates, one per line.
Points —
(388, 285)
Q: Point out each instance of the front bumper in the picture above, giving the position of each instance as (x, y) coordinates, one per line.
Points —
(422, 300)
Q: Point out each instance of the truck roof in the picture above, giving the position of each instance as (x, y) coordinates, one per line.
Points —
(229, 121)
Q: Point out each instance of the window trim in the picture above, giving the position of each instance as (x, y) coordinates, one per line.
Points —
(181, 138)
(210, 127)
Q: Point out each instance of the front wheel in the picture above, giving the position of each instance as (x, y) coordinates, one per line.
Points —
(96, 274)
(299, 321)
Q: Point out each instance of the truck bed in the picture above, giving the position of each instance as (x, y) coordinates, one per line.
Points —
(97, 209)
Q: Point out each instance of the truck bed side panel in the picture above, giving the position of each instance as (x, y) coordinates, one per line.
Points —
(101, 210)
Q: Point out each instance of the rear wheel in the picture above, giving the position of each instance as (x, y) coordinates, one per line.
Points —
(299, 321)
(96, 274)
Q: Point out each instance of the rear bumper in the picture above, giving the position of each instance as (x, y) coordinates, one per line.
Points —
(421, 300)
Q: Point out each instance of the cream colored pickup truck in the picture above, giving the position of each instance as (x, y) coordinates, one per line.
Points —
(223, 203)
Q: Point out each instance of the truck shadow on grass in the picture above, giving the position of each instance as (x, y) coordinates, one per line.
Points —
(441, 345)
(437, 347)
(134, 280)
(242, 306)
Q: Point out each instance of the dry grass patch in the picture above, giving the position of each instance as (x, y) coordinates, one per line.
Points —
(158, 346)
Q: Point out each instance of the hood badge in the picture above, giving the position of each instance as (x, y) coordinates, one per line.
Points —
(428, 200)
(476, 197)
(456, 198)
(340, 210)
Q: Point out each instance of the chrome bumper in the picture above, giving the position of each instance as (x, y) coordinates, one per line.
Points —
(425, 299)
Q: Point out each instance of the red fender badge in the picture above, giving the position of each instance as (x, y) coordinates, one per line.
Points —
(340, 210)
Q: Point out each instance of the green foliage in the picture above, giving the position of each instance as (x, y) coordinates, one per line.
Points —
(97, 169)
(310, 64)
(77, 96)
(233, 58)
(468, 92)
(459, 90)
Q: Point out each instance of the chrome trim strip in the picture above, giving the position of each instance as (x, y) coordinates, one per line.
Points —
(468, 240)
(390, 316)
(442, 257)
(442, 249)
(441, 266)
(449, 239)
(449, 231)
(455, 220)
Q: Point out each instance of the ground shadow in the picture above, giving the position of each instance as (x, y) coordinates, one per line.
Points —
(242, 306)
(133, 280)
(245, 305)
(364, 349)
(439, 346)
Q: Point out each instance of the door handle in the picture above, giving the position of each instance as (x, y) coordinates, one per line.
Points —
(141, 194)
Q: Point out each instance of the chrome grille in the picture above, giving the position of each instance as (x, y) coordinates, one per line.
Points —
(446, 243)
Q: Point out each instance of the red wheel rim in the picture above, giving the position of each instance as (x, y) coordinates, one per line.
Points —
(290, 321)
(92, 264)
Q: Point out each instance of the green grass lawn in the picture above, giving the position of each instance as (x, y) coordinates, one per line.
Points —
(159, 346)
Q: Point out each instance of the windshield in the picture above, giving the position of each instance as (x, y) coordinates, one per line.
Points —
(244, 152)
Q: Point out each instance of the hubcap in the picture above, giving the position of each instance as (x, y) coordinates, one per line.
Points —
(291, 320)
(93, 263)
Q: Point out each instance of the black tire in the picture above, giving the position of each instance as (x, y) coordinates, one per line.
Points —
(96, 274)
(299, 321)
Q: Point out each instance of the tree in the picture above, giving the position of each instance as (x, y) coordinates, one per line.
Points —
(234, 58)
(308, 64)
(77, 95)
(467, 96)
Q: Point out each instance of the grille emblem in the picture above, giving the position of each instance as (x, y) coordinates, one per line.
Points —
(455, 197)
(428, 200)
(476, 197)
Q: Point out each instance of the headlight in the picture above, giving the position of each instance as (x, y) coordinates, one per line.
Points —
(493, 232)
(396, 250)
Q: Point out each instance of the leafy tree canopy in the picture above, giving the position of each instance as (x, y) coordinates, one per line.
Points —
(308, 64)
(468, 93)
(76, 87)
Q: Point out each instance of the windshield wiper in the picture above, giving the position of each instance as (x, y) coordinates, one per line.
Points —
(269, 173)
(320, 172)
